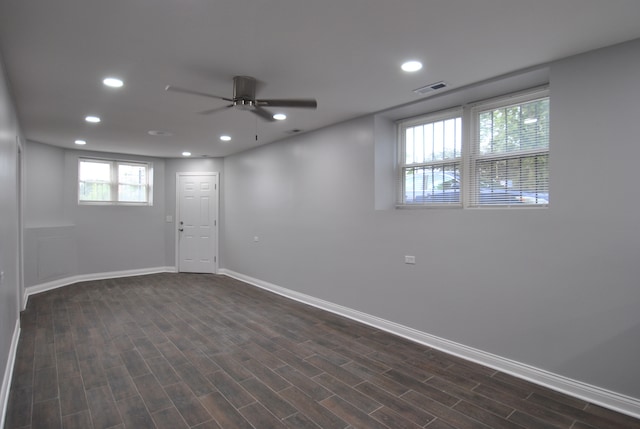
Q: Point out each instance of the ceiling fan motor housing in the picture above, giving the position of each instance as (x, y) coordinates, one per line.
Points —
(244, 92)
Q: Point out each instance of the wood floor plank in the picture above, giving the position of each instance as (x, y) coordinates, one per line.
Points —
(260, 417)
(187, 404)
(163, 371)
(134, 413)
(351, 414)
(81, 420)
(152, 392)
(45, 384)
(364, 403)
(72, 396)
(223, 412)
(120, 382)
(46, 415)
(397, 404)
(104, 412)
(267, 397)
(313, 389)
(231, 389)
(169, 418)
(319, 414)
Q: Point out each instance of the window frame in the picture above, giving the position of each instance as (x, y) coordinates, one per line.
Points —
(470, 151)
(114, 182)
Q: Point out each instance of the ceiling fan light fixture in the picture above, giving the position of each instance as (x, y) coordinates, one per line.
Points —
(243, 104)
(244, 98)
(411, 66)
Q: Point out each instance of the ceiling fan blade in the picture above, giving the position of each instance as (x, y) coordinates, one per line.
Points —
(308, 103)
(189, 91)
(217, 109)
(262, 113)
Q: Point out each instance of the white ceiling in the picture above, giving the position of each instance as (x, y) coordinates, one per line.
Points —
(344, 53)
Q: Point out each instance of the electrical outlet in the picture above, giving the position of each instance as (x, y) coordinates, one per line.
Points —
(408, 259)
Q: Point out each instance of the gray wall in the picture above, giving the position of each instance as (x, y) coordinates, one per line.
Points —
(555, 288)
(9, 219)
(64, 239)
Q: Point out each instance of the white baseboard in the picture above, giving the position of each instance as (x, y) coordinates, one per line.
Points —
(43, 287)
(593, 394)
(8, 373)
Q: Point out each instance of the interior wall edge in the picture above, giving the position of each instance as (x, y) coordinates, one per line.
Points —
(590, 393)
(8, 372)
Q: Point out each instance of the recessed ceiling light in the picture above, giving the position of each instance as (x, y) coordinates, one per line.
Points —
(225, 138)
(412, 66)
(186, 153)
(280, 116)
(80, 142)
(113, 82)
(92, 119)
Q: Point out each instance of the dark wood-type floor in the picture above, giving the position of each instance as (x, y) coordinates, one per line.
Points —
(205, 351)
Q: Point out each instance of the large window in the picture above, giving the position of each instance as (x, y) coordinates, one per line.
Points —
(114, 182)
(502, 160)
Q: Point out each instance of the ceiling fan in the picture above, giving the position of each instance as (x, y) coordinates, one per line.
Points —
(244, 98)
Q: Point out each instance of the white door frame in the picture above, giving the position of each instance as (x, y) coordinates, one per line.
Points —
(216, 214)
(20, 175)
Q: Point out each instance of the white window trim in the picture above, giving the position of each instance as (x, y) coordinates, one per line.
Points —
(114, 163)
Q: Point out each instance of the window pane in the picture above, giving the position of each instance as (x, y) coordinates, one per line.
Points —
(132, 174)
(91, 191)
(437, 184)
(520, 180)
(433, 141)
(514, 128)
(95, 171)
(132, 193)
(94, 181)
(132, 180)
(409, 145)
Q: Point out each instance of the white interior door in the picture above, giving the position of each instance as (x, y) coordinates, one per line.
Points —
(197, 222)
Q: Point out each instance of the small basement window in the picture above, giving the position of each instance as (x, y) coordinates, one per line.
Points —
(114, 182)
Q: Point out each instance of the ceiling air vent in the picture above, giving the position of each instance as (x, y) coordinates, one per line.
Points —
(429, 88)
